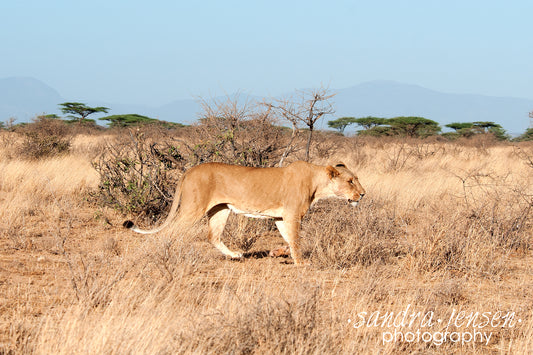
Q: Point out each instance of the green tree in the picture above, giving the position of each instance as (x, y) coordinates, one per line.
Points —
(414, 126)
(462, 129)
(79, 111)
(341, 123)
(377, 131)
(370, 122)
(458, 126)
(127, 120)
(527, 136)
(469, 129)
(485, 127)
(133, 119)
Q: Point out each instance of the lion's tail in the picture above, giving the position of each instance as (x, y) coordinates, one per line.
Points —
(171, 215)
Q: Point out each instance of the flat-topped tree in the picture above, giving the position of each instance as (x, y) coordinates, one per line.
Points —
(462, 129)
(128, 120)
(457, 126)
(414, 126)
(79, 111)
(133, 119)
(370, 122)
(341, 123)
(491, 127)
(469, 129)
(485, 126)
(527, 136)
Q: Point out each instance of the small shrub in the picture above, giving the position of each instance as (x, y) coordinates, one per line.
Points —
(135, 176)
(266, 325)
(235, 133)
(342, 237)
(45, 137)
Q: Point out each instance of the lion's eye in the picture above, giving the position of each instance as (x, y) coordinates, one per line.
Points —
(350, 182)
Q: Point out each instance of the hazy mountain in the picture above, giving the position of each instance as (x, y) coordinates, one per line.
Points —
(23, 98)
(183, 111)
(389, 99)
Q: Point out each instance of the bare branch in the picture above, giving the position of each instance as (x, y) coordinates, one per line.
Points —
(306, 107)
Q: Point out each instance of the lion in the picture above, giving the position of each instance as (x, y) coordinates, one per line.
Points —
(283, 194)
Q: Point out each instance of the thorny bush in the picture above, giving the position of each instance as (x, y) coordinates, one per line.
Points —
(138, 175)
(45, 137)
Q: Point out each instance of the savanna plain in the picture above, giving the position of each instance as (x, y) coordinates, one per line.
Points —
(436, 259)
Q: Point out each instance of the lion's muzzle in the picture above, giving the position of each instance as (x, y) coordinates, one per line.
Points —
(354, 203)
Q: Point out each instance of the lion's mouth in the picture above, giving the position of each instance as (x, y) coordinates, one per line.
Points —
(353, 203)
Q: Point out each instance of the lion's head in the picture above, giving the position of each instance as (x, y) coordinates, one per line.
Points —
(345, 184)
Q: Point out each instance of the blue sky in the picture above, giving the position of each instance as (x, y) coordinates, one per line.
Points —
(153, 52)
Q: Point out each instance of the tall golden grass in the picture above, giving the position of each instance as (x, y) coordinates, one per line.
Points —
(444, 228)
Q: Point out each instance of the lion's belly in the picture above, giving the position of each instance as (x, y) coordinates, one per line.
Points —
(272, 213)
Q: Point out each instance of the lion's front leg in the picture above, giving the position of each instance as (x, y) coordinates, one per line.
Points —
(289, 230)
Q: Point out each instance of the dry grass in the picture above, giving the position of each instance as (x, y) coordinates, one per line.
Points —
(444, 228)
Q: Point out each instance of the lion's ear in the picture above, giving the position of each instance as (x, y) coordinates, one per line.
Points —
(332, 172)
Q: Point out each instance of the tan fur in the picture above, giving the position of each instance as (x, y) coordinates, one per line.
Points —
(284, 194)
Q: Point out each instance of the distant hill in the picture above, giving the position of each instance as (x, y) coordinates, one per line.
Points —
(23, 98)
(389, 99)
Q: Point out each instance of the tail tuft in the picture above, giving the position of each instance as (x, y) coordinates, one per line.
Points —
(128, 224)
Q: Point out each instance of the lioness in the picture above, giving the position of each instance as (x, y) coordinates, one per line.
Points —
(284, 194)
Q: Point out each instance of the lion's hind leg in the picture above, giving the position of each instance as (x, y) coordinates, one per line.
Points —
(217, 221)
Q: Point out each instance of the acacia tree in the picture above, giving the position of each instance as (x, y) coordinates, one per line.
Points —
(526, 136)
(414, 126)
(469, 129)
(133, 119)
(485, 126)
(370, 122)
(491, 127)
(458, 126)
(306, 108)
(79, 111)
(461, 129)
(341, 123)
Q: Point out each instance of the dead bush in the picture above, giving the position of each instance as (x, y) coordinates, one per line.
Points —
(176, 258)
(135, 176)
(16, 231)
(44, 137)
(237, 133)
(502, 211)
(525, 153)
(291, 326)
(341, 237)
